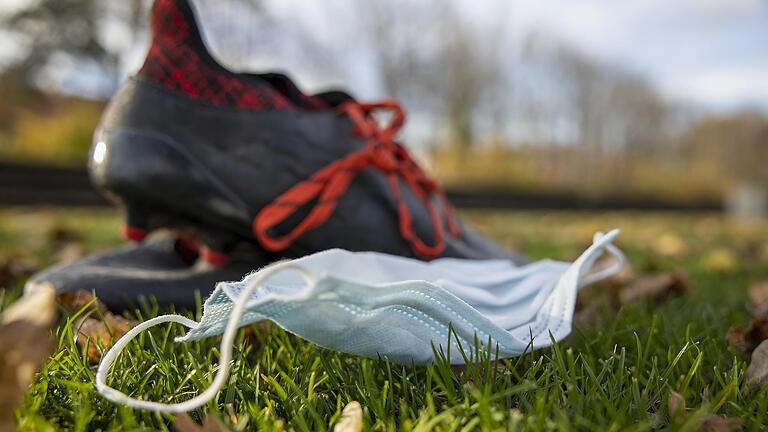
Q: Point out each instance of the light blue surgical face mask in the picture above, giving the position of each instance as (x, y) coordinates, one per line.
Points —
(376, 305)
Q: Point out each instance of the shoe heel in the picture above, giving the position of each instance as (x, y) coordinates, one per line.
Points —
(150, 176)
(133, 234)
(216, 247)
(186, 248)
(136, 225)
(216, 259)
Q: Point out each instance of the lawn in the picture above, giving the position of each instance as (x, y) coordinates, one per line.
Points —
(614, 375)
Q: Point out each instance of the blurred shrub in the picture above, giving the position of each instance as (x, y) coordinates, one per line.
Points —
(577, 171)
(60, 134)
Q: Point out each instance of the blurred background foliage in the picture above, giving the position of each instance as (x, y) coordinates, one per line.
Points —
(535, 115)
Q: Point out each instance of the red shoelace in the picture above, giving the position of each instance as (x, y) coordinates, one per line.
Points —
(328, 185)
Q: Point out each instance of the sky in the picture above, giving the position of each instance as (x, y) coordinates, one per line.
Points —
(709, 52)
(713, 53)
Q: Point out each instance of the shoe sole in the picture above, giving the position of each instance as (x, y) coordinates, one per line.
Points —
(214, 246)
(155, 268)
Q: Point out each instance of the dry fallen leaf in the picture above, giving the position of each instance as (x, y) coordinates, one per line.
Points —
(98, 325)
(25, 344)
(184, 423)
(74, 302)
(14, 268)
(675, 404)
(710, 423)
(588, 312)
(67, 244)
(622, 277)
(745, 340)
(751, 249)
(59, 235)
(720, 260)
(626, 288)
(763, 253)
(656, 287)
(626, 275)
(70, 252)
(93, 333)
(757, 372)
(669, 245)
(758, 294)
(716, 423)
(351, 418)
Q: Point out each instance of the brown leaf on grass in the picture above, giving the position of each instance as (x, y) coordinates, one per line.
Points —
(59, 235)
(625, 288)
(720, 260)
(716, 423)
(745, 340)
(13, 269)
(70, 252)
(657, 287)
(184, 423)
(588, 312)
(669, 245)
(67, 243)
(25, 344)
(622, 277)
(675, 404)
(756, 374)
(763, 253)
(92, 332)
(626, 275)
(592, 300)
(758, 294)
(74, 302)
(751, 249)
(351, 418)
(710, 423)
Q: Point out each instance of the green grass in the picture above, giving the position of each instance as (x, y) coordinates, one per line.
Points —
(615, 376)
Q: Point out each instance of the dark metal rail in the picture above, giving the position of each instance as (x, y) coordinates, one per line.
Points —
(36, 185)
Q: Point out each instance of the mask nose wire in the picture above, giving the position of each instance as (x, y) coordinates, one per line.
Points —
(227, 342)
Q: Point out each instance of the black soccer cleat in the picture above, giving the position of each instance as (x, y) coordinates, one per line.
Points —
(163, 267)
(238, 159)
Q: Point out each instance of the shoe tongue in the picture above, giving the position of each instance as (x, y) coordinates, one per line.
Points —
(334, 98)
(285, 86)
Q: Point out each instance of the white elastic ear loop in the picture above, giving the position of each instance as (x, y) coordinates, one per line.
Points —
(619, 262)
(227, 341)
